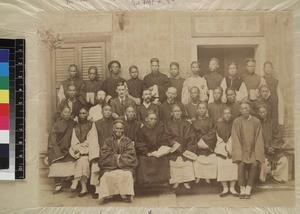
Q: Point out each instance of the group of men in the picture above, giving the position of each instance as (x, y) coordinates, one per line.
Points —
(166, 130)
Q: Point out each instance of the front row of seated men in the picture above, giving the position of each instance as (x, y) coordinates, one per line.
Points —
(113, 153)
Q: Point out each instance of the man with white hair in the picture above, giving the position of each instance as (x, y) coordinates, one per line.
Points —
(166, 107)
(117, 163)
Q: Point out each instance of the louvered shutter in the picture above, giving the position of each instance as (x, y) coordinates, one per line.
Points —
(92, 54)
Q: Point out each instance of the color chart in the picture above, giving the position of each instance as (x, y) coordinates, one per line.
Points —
(4, 109)
(12, 109)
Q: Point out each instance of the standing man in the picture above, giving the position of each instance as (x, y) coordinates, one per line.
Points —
(156, 82)
(247, 148)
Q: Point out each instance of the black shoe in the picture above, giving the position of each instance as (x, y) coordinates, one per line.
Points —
(235, 194)
(223, 194)
(82, 194)
(105, 201)
(95, 195)
(242, 196)
(247, 196)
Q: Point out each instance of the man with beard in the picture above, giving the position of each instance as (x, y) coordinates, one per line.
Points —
(95, 112)
(117, 162)
(147, 105)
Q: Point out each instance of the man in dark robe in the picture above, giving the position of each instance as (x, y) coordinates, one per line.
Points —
(166, 107)
(247, 148)
(191, 107)
(263, 100)
(131, 123)
(135, 85)
(110, 84)
(61, 163)
(205, 166)
(73, 79)
(149, 138)
(117, 163)
(215, 109)
(273, 147)
(180, 132)
(156, 82)
(175, 80)
(101, 130)
(232, 103)
(147, 105)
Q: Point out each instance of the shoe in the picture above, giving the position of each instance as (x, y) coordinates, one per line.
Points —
(247, 196)
(95, 195)
(127, 199)
(223, 194)
(58, 189)
(82, 194)
(242, 196)
(235, 194)
(104, 201)
(175, 186)
(72, 190)
(187, 186)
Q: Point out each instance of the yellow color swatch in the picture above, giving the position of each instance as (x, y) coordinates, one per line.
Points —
(4, 96)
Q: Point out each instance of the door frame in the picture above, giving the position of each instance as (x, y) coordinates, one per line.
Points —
(257, 42)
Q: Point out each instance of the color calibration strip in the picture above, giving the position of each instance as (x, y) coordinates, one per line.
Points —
(4, 109)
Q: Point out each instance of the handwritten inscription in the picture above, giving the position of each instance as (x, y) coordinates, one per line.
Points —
(150, 2)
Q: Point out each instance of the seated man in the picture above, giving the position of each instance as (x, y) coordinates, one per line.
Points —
(117, 162)
(120, 103)
(150, 138)
(273, 147)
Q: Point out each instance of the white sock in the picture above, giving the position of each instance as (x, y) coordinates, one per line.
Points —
(225, 189)
(232, 190)
(248, 190)
(74, 183)
(243, 189)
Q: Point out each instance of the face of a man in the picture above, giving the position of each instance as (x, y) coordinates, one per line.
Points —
(106, 111)
(121, 90)
(171, 94)
(92, 74)
(176, 113)
(213, 65)
(227, 114)
(230, 96)
(262, 113)
(66, 113)
(268, 69)
(195, 69)
(245, 110)
(217, 94)
(251, 67)
(201, 110)
(232, 70)
(194, 93)
(154, 66)
(71, 91)
(264, 92)
(118, 130)
(151, 119)
(72, 71)
(83, 115)
(101, 96)
(130, 113)
(174, 71)
(147, 96)
(115, 69)
(134, 73)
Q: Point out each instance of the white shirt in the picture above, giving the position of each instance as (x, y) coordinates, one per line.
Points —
(95, 113)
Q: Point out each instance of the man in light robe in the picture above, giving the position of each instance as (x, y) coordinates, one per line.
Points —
(247, 148)
(117, 163)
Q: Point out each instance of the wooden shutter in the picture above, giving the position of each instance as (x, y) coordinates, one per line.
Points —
(92, 54)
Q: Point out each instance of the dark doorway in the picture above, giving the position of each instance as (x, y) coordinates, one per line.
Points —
(225, 55)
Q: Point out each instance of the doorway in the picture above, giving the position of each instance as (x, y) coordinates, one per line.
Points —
(226, 55)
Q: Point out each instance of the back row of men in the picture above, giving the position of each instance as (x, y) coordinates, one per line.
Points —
(254, 88)
(172, 142)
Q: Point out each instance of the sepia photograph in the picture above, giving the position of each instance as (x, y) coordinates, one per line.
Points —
(166, 109)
